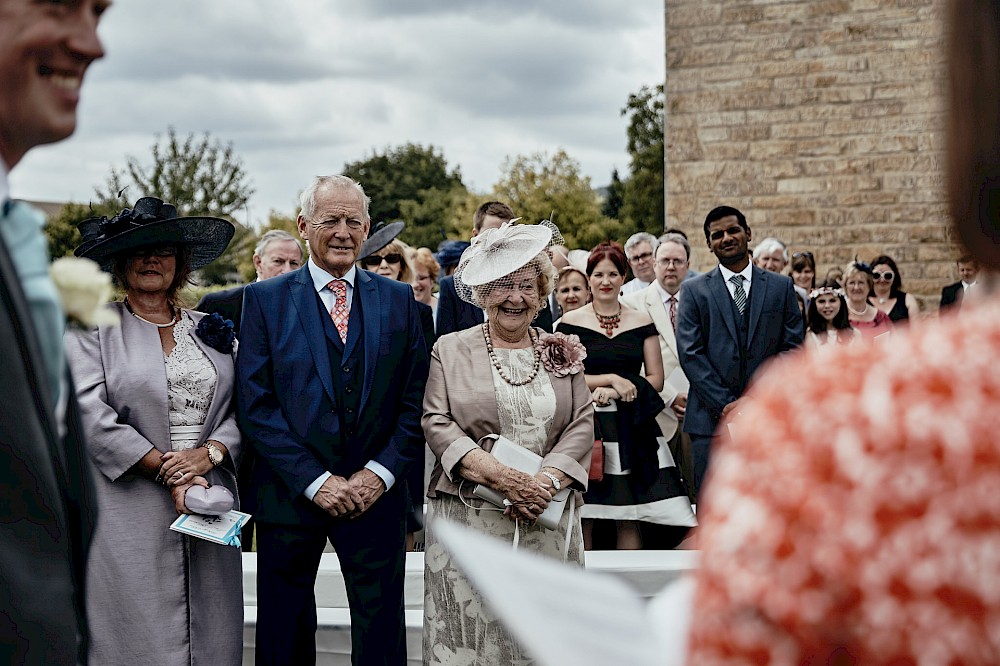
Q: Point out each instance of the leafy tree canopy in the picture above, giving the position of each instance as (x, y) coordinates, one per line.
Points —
(541, 187)
(412, 183)
(198, 175)
(642, 204)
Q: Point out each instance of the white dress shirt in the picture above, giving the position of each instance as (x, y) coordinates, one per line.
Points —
(745, 274)
(320, 279)
(634, 285)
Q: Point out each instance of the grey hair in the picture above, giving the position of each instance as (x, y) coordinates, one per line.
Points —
(641, 237)
(768, 246)
(275, 235)
(307, 201)
(679, 239)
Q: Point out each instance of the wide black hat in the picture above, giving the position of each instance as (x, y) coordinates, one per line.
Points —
(153, 222)
(382, 235)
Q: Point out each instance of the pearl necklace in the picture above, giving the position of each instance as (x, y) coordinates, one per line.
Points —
(609, 322)
(496, 362)
(860, 314)
(174, 314)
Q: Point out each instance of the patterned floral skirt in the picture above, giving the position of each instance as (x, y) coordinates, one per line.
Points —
(458, 629)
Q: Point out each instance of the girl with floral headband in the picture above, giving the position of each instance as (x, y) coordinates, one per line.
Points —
(827, 317)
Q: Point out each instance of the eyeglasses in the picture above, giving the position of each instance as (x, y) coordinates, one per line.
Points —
(671, 262)
(796, 255)
(636, 258)
(160, 251)
(887, 276)
(375, 260)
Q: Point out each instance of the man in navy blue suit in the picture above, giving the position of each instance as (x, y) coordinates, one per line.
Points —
(731, 320)
(332, 367)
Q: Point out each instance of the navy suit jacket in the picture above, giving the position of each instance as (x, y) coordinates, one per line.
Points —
(951, 296)
(228, 303)
(707, 344)
(454, 314)
(287, 404)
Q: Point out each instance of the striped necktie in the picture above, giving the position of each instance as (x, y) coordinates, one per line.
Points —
(739, 296)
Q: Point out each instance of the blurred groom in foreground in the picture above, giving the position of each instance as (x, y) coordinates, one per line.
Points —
(46, 502)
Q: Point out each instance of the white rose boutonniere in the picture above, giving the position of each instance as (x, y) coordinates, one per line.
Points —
(84, 290)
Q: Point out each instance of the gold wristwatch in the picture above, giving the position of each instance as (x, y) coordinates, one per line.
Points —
(214, 454)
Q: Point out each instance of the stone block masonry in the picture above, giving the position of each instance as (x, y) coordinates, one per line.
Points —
(822, 120)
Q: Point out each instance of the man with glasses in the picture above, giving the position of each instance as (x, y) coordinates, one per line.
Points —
(639, 249)
(332, 366)
(661, 300)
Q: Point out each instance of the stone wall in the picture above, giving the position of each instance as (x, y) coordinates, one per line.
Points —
(822, 120)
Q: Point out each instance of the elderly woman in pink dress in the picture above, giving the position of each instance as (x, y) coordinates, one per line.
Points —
(508, 378)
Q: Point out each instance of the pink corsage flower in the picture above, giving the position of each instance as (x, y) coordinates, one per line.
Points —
(561, 354)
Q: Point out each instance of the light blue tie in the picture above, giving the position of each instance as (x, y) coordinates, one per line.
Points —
(21, 226)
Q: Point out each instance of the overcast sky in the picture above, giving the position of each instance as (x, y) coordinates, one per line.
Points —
(300, 88)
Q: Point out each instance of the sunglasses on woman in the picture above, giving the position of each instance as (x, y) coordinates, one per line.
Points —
(375, 260)
(887, 276)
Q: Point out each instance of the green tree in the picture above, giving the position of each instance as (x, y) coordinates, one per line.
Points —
(642, 204)
(616, 194)
(411, 183)
(62, 232)
(540, 187)
(200, 176)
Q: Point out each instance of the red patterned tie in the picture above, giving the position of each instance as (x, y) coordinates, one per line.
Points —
(340, 314)
(673, 312)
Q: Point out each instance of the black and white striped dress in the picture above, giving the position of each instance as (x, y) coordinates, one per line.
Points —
(659, 496)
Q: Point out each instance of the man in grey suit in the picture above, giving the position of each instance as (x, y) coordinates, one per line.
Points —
(731, 320)
(46, 498)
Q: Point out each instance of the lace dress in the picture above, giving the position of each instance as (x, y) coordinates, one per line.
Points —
(458, 629)
(191, 380)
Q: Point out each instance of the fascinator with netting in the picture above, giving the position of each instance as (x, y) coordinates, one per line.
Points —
(497, 253)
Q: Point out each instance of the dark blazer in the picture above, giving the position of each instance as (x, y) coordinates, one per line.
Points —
(951, 296)
(47, 506)
(286, 395)
(454, 314)
(228, 303)
(707, 340)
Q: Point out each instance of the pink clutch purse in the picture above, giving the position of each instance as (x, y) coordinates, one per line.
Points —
(212, 501)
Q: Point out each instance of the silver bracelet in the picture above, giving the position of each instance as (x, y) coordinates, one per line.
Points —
(552, 477)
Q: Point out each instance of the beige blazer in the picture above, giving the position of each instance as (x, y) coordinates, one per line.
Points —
(460, 407)
(649, 300)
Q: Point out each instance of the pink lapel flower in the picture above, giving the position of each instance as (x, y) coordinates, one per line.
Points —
(561, 354)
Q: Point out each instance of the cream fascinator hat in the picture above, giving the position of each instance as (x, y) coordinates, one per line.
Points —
(496, 253)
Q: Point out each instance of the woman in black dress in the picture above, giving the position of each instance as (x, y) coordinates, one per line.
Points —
(887, 292)
(624, 369)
